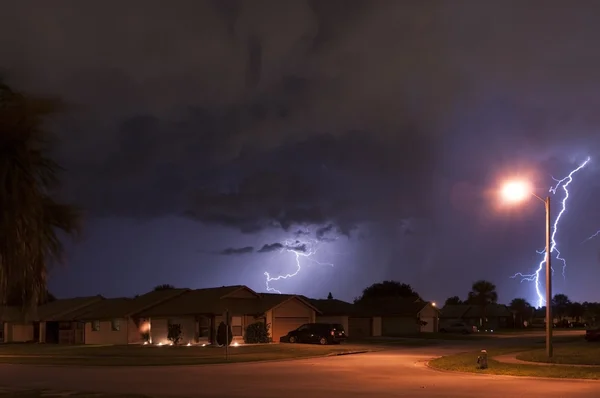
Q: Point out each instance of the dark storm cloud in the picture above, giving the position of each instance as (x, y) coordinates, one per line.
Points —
(232, 251)
(245, 113)
(270, 247)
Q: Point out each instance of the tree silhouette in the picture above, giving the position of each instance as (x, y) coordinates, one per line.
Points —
(330, 296)
(521, 308)
(164, 286)
(560, 304)
(483, 293)
(576, 311)
(30, 216)
(454, 300)
(388, 289)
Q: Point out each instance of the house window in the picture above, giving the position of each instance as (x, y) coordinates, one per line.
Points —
(203, 327)
(115, 325)
(95, 326)
(236, 326)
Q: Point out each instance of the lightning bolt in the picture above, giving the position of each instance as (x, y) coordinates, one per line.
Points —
(535, 277)
(591, 236)
(300, 248)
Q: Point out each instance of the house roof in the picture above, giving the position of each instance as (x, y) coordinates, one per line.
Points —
(272, 300)
(219, 300)
(333, 306)
(125, 307)
(11, 314)
(199, 301)
(474, 311)
(61, 309)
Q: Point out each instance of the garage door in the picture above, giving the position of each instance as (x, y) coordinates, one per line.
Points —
(359, 327)
(397, 326)
(281, 326)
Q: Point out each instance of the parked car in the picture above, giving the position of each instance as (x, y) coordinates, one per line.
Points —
(592, 334)
(458, 327)
(321, 333)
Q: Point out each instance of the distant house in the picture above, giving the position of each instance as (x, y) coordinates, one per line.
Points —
(334, 311)
(115, 321)
(497, 316)
(199, 312)
(55, 320)
(399, 316)
(379, 317)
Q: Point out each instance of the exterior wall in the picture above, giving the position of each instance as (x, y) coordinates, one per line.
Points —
(18, 332)
(269, 320)
(106, 335)
(159, 329)
(396, 326)
(42, 332)
(430, 315)
(341, 319)
(295, 308)
(377, 326)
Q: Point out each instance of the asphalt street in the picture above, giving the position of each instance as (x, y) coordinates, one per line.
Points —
(396, 373)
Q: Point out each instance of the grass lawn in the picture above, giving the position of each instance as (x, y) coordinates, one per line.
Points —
(580, 353)
(134, 355)
(467, 362)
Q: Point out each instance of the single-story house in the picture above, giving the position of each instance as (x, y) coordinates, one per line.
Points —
(199, 312)
(55, 320)
(356, 321)
(333, 311)
(497, 315)
(395, 317)
(114, 321)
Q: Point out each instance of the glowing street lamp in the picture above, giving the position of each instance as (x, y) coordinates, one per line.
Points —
(518, 191)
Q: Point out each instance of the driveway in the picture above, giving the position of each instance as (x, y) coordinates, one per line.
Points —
(392, 373)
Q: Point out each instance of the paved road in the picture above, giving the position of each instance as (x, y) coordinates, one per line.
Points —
(399, 373)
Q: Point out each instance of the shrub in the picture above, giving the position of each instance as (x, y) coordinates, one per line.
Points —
(257, 333)
(174, 333)
(224, 331)
(146, 337)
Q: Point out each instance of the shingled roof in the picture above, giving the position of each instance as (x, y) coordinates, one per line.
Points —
(333, 307)
(126, 307)
(11, 314)
(60, 310)
(200, 301)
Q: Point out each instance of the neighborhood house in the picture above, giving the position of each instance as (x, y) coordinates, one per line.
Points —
(198, 312)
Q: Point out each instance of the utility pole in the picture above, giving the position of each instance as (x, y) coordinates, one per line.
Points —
(549, 318)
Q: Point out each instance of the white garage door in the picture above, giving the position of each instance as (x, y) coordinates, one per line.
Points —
(281, 326)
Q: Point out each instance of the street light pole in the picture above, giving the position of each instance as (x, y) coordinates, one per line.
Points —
(549, 319)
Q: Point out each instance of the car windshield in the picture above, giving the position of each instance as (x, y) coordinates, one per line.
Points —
(338, 327)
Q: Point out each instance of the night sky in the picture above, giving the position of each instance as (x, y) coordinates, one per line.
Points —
(201, 133)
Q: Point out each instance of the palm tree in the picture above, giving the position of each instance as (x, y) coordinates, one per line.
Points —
(483, 293)
(30, 217)
(522, 308)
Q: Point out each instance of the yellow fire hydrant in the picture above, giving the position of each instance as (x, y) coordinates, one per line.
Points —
(482, 360)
